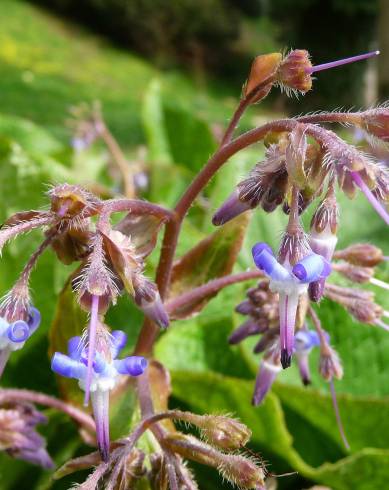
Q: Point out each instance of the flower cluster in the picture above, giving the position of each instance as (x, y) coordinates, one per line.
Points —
(111, 260)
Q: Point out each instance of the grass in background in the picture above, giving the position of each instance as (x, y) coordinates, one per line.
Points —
(48, 65)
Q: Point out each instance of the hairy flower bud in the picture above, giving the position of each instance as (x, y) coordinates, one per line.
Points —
(376, 122)
(237, 469)
(220, 431)
(355, 273)
(19, 437)
(262, 72)
(68, 201)
(148, 299)
(293, 73)
(329, 364)
(361, 254)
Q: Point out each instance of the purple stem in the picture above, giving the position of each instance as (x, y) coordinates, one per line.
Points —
(370, 197)
(345, 61)
(337, 415)
(91, 346)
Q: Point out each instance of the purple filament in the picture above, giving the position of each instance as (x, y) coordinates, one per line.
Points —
(91, 346)
(345, 61)
(370, 197)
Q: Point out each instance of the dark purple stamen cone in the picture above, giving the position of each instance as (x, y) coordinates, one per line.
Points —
(286, 358)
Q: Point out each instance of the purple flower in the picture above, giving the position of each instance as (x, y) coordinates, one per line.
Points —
(19, 437)
(106, 368)
(290, 281)
(13, 335)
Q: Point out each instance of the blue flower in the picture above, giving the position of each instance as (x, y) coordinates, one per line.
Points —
(290, 281)
(106, 369)
(13, 335)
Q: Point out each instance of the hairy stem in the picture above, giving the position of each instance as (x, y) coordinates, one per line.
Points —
(136, 207)
(211, 287)
(16, 395)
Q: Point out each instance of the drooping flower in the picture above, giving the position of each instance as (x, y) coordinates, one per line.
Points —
(18, 436)
(14, 334)
(290, 278)
(106, 369)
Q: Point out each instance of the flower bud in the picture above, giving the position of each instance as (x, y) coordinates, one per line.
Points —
(149, 301)
(18, 436)
(249, 327)
(263, 69)
(231, 208)
(329, 364)
(220, 431)
(293, 73)
(68, 201)
(354, 273)
(237, 469)
(361, 254)
(364, 311)
(376, 123)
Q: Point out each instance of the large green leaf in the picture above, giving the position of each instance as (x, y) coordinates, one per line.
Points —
(212, 393)
(69, 321)
(213, 257)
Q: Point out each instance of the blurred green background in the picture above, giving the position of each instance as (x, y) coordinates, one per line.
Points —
(168, 75)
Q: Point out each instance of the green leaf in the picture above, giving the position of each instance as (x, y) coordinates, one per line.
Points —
(200, 344)
(360, 415)
(69, 321)
(191, 141)
(366, 470)
(154, 125)
(213, 257)
(31, 137)
(211, 393)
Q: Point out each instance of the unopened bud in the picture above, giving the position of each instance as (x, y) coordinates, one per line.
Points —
(354, 273)
(376, 123)
(364, 311)
(250, 327)
(243, 472)
(329, 364)
(293, 72)
(68, 201)
(237, 469)
(220, 431)
(262, 74)
(231, 208)
(361, 254)
(149, 301)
